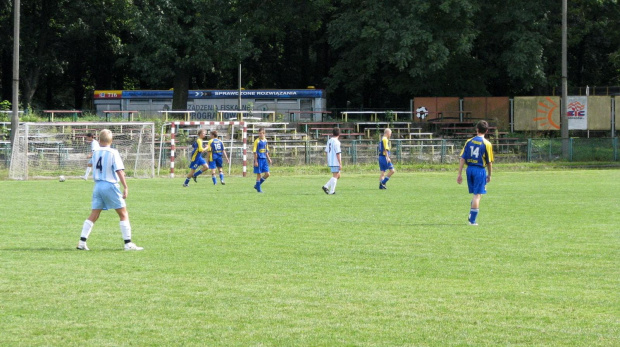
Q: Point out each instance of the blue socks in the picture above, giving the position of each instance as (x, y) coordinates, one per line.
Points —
(186, 181)
(221, 177)
(473, 214)
(385, 180)
(197, 173)
(213, 179)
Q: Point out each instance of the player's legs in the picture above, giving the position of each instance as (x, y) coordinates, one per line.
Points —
(334, 180)
(87, 227)
(125, 226)
(219, 167)
(189, 177)
(384, 167)
(213, 176)
(203, 167)
(476, 182)
(264, 168)
(389, 171)
(327, 187)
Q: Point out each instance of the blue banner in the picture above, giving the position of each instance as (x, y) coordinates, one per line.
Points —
(227, 94)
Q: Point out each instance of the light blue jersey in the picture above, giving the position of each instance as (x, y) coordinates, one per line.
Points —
(106, 161)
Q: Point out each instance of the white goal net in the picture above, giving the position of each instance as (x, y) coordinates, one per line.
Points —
(48, 150)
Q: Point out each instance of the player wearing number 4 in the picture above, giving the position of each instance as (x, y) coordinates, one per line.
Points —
(476, 154)
(197, 160)
(215, 147)
(261, 159)
(108, 171)
(334, 161)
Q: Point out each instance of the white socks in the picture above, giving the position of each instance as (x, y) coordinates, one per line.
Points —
(88, 168)
(87, 227)
(331, 185)
(125, 229)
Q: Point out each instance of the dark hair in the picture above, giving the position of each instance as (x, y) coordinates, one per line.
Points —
(214, 133)
(336, 131)
(90, 135)
(482, 127)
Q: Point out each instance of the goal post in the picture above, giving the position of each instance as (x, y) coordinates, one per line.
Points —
(175, 127)
(49, 150)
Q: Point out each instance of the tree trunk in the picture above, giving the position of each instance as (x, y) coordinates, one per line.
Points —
(31, 83)
(181, 89)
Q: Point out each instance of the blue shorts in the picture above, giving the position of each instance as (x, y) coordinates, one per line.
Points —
(335, 169)
(200, 161)
(263, 166)
(476, 179)
(384, 165)
(107, 196)
(217, 162)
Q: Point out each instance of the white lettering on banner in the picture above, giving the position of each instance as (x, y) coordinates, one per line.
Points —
(257, 93)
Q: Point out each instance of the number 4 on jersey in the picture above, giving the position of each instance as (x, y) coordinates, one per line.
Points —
(99, 166)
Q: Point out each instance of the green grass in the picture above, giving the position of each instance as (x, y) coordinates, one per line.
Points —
(225, 266)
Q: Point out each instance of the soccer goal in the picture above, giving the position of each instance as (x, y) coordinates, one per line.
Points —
(183, 133)
(48, 150)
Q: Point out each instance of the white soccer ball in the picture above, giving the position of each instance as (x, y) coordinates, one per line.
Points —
(61, 178)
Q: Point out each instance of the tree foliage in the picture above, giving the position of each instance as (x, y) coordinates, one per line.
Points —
(365, 53)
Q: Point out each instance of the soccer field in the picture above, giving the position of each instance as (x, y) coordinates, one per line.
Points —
(225, 266)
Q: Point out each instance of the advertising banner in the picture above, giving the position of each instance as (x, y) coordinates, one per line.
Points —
(577, 112)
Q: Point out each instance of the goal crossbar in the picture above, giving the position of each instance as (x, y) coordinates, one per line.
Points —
(272, 114)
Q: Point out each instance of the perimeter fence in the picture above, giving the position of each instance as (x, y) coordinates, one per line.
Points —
(415, 151)
(404, 151)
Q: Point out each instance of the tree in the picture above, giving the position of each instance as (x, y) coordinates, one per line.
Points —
(395, 45)
(177, 39)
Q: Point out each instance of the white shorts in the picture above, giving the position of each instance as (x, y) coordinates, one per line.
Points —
(107, 196)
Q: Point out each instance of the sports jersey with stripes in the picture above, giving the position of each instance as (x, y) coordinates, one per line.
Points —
(332, 149)
(217, 148)
(106, 161)
(477, 151)
(384, 147)
(261, 148)
(197, 148)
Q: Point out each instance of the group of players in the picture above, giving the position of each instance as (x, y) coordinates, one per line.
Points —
(477, 154)
(108, 171)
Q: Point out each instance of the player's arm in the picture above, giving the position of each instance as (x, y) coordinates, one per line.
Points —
(386, 148)
(200, 148)
(338, 156)
(255, 153)
(225, 155)
(489, 170)
(459, 178)
(489, 159)
(121, 177)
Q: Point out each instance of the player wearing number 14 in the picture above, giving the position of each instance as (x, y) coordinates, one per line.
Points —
(477, 154)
